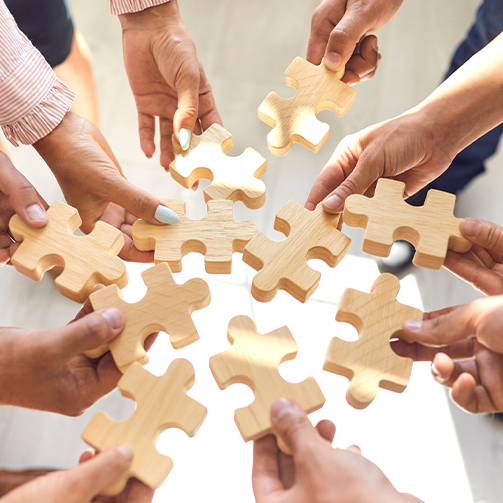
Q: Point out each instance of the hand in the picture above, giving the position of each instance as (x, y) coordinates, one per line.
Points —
(339, 30)
(321, 473)
(482, 266)
(83, 483)
(471, 333)
(166, 78)
(17, 195)
(9, 480)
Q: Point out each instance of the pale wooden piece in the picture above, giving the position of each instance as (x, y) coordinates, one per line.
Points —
(369, 362)
(254, 360)
(216, 236)
(294, 119)
(166, 306)
(233, 178)
(162, 403)
(87, 260)
(387, 217)
(283, 264)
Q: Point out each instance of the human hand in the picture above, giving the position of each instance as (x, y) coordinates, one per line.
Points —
(340, 34)
(17, 195)
(321, 473)
(9, 480)
(482, 266)
(166, 78)
(472, 334)
(83, 483)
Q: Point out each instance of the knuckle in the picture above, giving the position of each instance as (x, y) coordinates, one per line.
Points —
(493, 236)
(142, 204)
(95, 326)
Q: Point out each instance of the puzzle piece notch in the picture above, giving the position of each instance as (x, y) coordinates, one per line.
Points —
(217, 236)
(166, 307)
(369, 362)
(282, 265)
(233, 178)
(87, 260)
(254, 360)
(294, 119)
(387, 217)
(162, 403)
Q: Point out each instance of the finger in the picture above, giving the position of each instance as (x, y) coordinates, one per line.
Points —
(445, 371)
(87, 307)
(321, 26)
(326, 429)
(483, 233)
(420, 353)
(208, 113)
(354, 448)
(265, 473)
(167, 151)
(86, 456)
(469, 396)
(364, 63)
(146, 129)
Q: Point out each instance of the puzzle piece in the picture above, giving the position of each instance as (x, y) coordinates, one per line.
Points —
(216, 236)
(162, 403)
(87, 260)
(431, 228)
(370, 363)
(283, 264)
(294, 119)
(233, 178)
(167, 306)
(254, 360)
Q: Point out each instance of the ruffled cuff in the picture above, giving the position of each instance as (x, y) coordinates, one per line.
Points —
(130, 6)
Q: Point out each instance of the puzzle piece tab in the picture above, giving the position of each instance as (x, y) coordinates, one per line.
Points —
(254, 360)
(87, 260)
(387, 217)
(233, 178)
(369, 362)
(216, 236)
(167, 306)
(283, 264)
(162, 403)
(294, 119)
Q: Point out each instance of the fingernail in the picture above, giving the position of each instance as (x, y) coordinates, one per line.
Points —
(113, 317)
(282, 407)
(184, 137)
(334, 203)
(194, 187)
(470, 227)
(413, 325)
(374, 45)
(333, 61)
(166, 215)
(149, 157)
(436, 374)
(127, 451)
(36, 213)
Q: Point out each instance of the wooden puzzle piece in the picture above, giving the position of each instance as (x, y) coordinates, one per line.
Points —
(87, 260)
(283, 264)
(294, 119)
(233, 178)
(162, 403)
(167, 306)
(387, 217)
(369, 362)
(216, 236)
(254, 360)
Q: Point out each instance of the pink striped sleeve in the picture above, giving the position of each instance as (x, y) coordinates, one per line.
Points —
(129, 6)
(32, 100)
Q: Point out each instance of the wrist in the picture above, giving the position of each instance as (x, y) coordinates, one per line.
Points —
(154, 17)
(70, 125)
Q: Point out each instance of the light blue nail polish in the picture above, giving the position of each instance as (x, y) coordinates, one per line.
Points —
(166, 216)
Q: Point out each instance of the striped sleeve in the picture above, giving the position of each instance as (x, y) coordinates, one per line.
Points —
(129, 6)
(32, 100)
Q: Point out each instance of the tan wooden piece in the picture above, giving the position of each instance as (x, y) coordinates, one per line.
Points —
(162, 403)
(87, 260)
(294, 119)
(431, 228)
(369, 362)
(216, 236)
(167, 306)
(283, 264)
(233, 178)
(254, 360)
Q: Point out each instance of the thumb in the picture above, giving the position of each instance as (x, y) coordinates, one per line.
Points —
(485, 234)
(291, 424)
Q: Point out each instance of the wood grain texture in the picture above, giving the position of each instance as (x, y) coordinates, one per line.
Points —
(254, 360)
(282, 265)
(370, 363)
(87, 260)
(166, 306)
(217, 236)
(162, 403)
(431, 229)
(233, 178)
(294, 119)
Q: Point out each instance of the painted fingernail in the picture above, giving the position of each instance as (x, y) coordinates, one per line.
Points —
(166, 215)
(184, 137)
(127, 451)
(470, 227)
(36, 213)
(436, 374)
(413, 325)
(334, 203)
(113, 317)
(149, 157)
(282, 407)
(333, 61)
